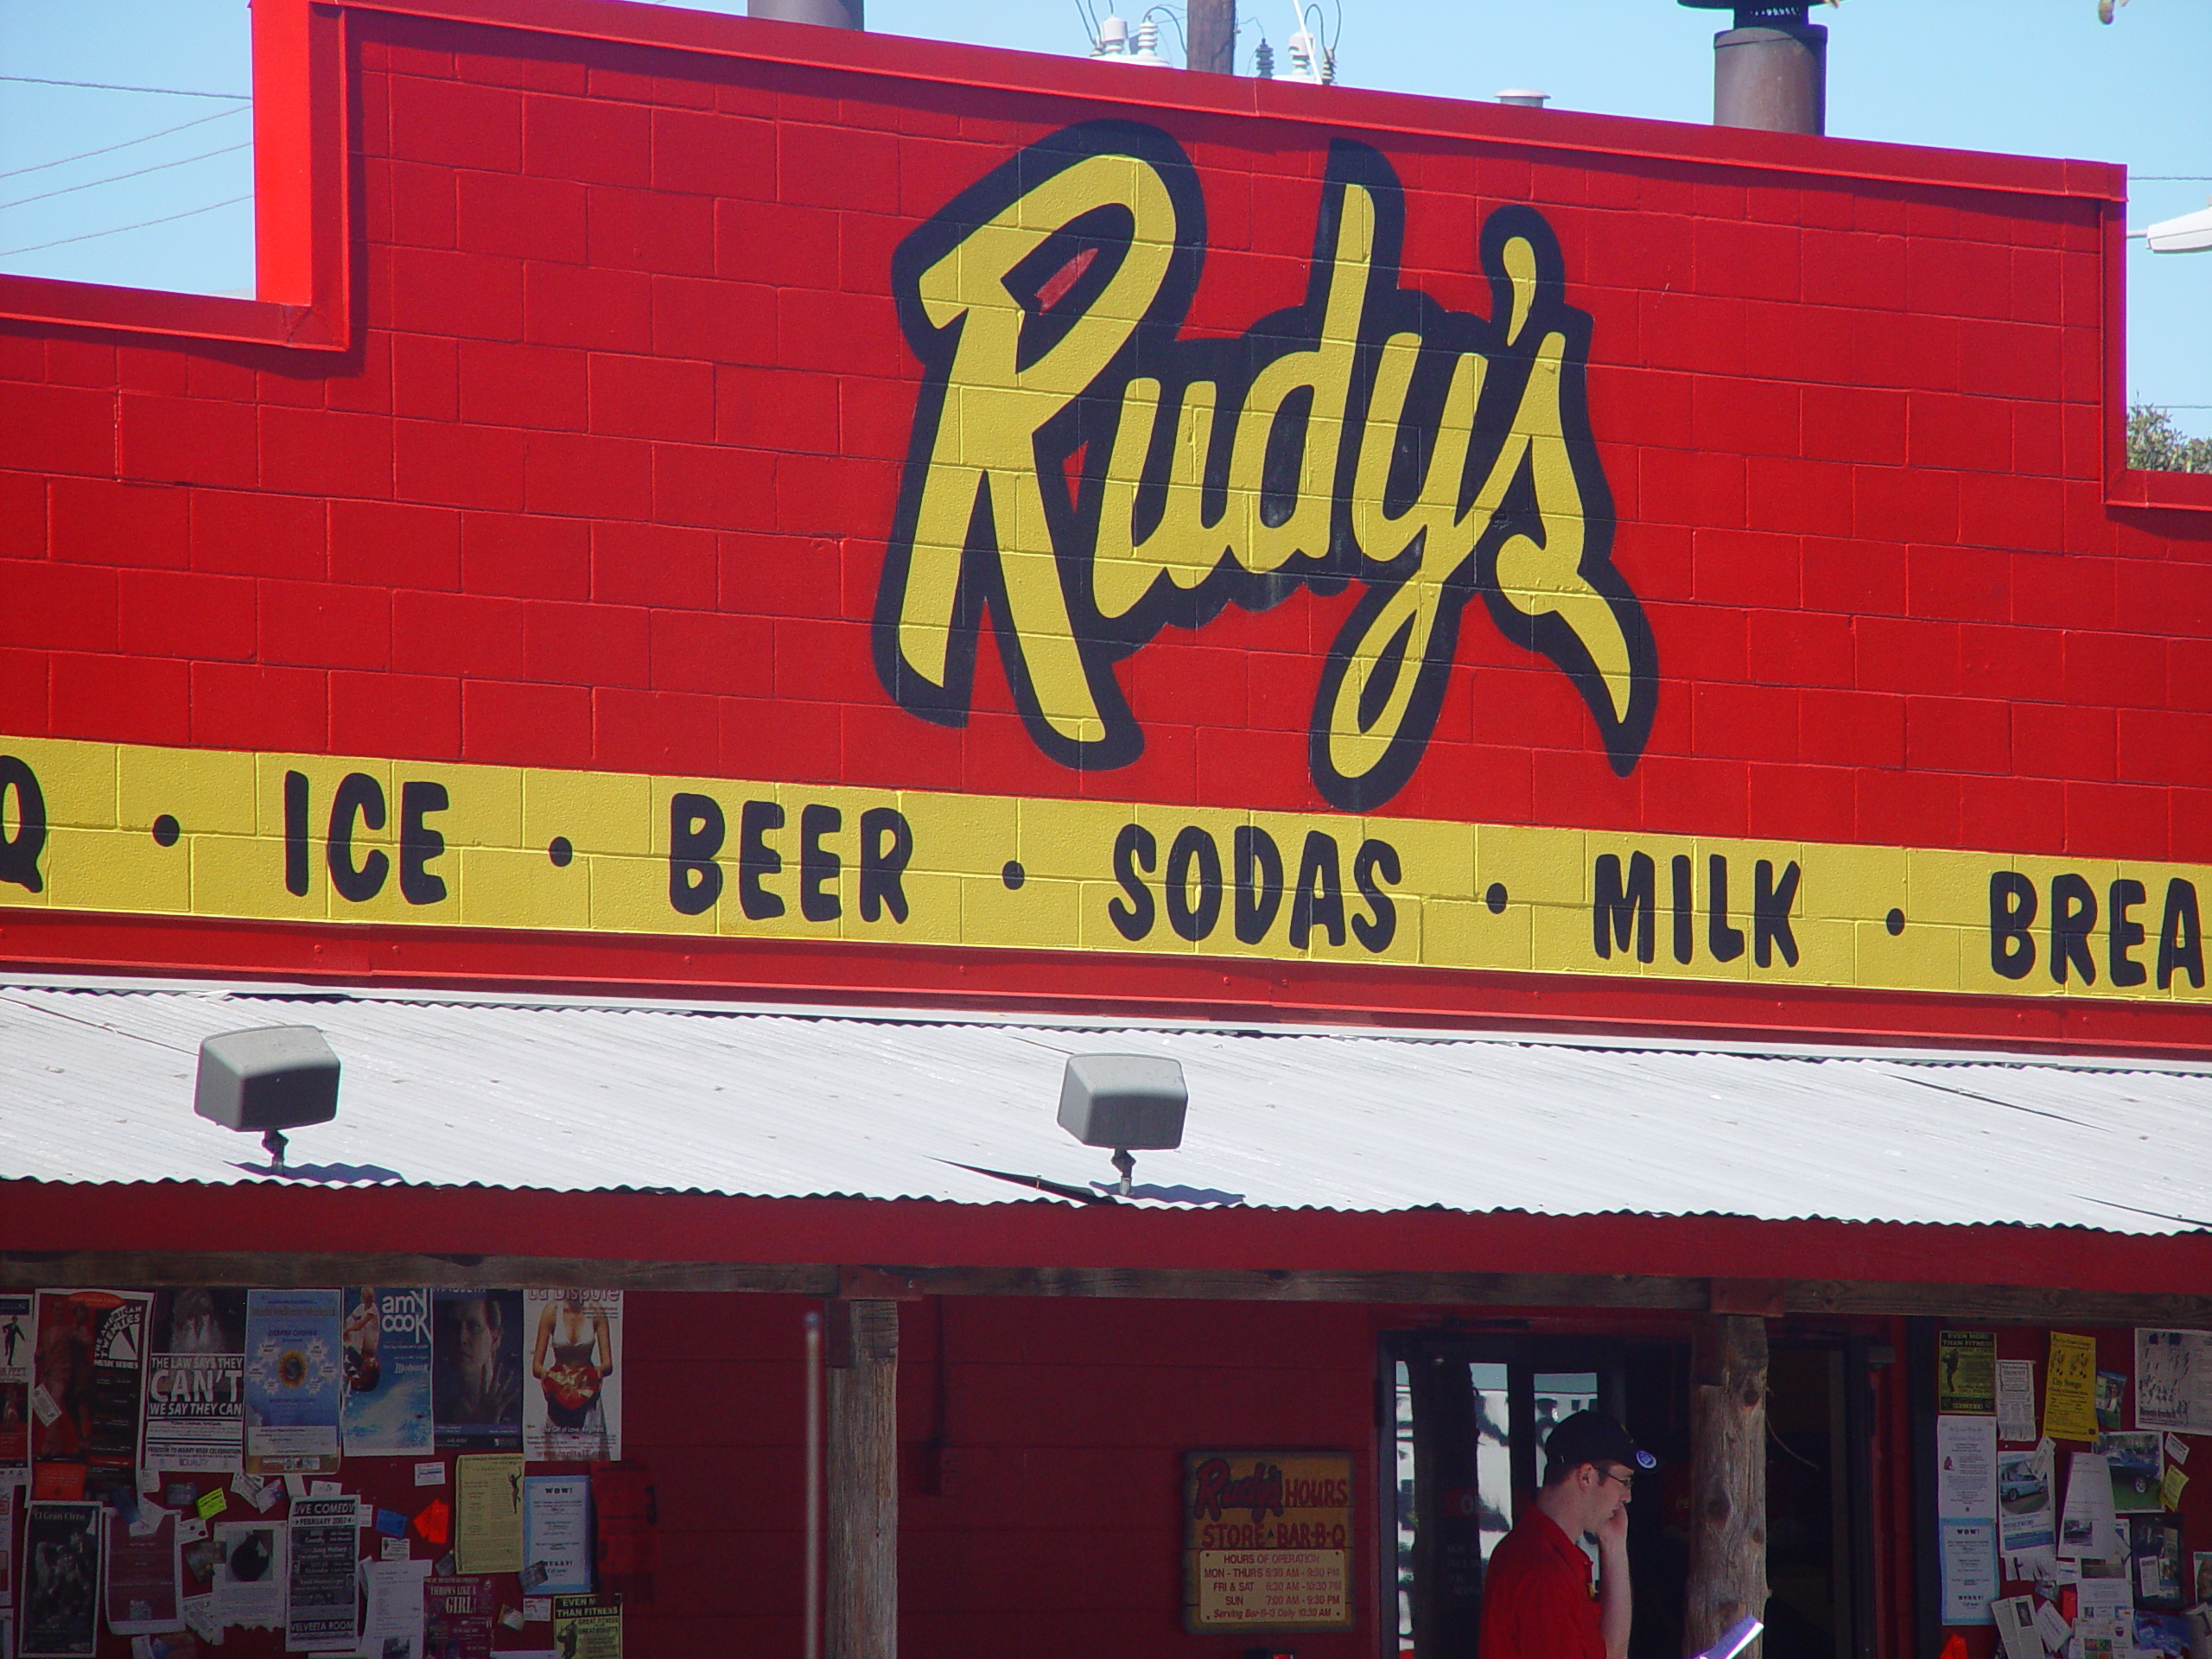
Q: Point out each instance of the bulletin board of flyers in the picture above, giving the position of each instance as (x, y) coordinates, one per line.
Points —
(2066, 1498)
(400, 1470)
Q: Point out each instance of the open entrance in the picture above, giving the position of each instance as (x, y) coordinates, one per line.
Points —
(1465, 1418)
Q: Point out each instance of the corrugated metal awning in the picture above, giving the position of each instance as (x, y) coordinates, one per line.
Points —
(596, 1096)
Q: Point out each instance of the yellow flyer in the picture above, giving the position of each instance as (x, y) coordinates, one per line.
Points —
(2070, 1400)
(487, 1503)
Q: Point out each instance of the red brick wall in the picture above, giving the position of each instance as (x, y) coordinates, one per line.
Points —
(604, 479)
(1055, 1528)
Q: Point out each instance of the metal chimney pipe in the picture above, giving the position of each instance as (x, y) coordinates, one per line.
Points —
(1774, 76)
(1210, 42)
(1771, 70)
(830, 14)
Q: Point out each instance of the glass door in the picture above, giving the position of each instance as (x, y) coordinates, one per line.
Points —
(1464, 1418)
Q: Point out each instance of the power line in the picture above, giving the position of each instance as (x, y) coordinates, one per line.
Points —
(109, 86)
(116, 178)
(86, 155)
(189, 212)
(2173, 178)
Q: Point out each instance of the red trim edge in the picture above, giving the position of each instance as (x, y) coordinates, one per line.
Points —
(1081, 984)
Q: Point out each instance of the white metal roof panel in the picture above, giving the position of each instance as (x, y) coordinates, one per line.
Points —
(96, 1086)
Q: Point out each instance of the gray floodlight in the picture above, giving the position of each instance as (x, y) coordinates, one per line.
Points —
(1127, 1102)
(269, 1079)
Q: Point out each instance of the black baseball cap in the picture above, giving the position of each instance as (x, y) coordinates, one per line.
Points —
(1592, 1437)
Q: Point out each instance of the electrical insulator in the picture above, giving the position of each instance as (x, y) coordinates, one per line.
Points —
(1263, 61)
(1328, 66)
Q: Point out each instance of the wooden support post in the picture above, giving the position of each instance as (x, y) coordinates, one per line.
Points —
(1727, 1478)
(1211, 36)
(862, 1603)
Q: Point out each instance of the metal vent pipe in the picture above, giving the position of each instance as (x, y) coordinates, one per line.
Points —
(1771, 71)
(830, 14)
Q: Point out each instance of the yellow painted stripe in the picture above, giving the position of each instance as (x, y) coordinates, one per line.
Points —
(492, 869)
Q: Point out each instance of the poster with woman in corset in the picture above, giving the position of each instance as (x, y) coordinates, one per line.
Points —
(572, 1412)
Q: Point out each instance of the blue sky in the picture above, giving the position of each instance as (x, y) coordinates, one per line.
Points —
(2035, 76)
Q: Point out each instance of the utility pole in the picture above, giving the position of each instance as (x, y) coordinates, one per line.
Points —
(1209, 34)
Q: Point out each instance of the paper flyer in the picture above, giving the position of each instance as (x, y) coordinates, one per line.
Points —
(1966, 1371)
(251, 1574)
(7, 1548)
(2161, 1635)
(16, 1347)
(2201, 1577)
(195, 1380)
(2016, 1400)
(320, 1579)
(487, 1513)
(2016, 1627)
(2137, 1461)
(393, 1626)
(200, 1620)
(1969, 1567)
(89, 1367)
(59, 1609)
(457, 1617)
(2173, 1381)
(2158, 1563)
(1965, 1468)
(556, 1535)
(476, 1371)
(572, 1413)
(2111, 1397)
(2051, 1624)
(2104, 1618)
(587, 1627)
(2087, 1524)
(295, 1381)
(145, 1584)
(262, 1494)
(2070, 1400)
(387, 1337)
(2023, 1515)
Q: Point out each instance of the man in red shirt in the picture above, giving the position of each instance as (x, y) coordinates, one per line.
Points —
(1537, 1600)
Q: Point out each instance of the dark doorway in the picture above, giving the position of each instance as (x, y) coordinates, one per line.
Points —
(1819, 1548)
(1463, 1419)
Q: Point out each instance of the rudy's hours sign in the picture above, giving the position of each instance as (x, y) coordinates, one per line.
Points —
(1266, 1541)
(109, 828)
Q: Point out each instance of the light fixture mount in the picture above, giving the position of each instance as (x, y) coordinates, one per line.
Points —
(269, 1079)
(1131, 1103)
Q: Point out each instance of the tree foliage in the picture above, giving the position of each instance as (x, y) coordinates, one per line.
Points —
(2156, 444)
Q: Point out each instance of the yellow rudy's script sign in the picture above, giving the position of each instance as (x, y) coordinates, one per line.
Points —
(1369, 434)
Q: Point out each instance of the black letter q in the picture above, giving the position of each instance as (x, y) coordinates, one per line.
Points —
(19, 853)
